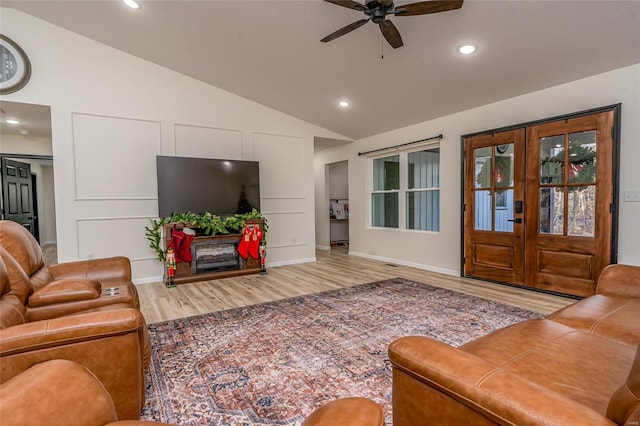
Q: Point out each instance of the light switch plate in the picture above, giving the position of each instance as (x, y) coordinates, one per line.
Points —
(632, 195)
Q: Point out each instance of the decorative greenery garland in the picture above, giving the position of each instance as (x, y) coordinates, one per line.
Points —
(209, 223)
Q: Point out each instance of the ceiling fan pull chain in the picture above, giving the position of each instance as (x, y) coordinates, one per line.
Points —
(381, 47)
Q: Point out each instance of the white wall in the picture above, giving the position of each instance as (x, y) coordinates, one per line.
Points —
(441, 251)
(25, 144)
(112, 113)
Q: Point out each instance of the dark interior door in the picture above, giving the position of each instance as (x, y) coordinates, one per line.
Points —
(17, 193)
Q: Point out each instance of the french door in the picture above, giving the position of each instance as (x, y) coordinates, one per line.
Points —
(538, 204)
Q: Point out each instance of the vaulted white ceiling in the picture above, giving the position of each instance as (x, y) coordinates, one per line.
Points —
(270, 51)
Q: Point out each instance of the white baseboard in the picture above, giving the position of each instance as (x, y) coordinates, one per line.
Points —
(290, 262)
(325, 248)
(405, 263)
(147, 280)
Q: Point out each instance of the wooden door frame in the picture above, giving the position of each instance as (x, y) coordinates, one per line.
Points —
(616, 108)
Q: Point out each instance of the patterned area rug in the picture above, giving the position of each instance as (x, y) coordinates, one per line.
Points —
(273, 363)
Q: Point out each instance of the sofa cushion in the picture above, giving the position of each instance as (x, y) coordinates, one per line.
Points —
(580, 366)
(611, 316)
(65, 290)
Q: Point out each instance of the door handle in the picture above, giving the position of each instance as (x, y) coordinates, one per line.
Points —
(516, 220)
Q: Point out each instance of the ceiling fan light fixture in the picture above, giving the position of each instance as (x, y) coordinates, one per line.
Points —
(133, 4)
(344, 103)
(467, 48)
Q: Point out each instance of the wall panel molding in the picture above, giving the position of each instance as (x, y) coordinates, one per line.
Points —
(114, 157)
(207, 142)
(291, 227)
(283, 165)
(98, 237)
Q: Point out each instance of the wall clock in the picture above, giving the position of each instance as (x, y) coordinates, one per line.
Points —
(15, 68)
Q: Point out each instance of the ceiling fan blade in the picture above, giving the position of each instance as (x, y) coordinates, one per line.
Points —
(391, 34)
(425, 7)
(344, 30)
(350, 4)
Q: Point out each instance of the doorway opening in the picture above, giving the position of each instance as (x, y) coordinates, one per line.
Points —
(26, 180)
(338, 204)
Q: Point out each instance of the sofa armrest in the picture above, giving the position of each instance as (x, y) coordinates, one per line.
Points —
(110, 344)
(620, 280)
(347, 412)
(65, 290)
(55, 393)
(96, 269)
(433, 381)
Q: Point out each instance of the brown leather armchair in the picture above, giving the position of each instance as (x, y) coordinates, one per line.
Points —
(66, 288)
(111, 341)
(62, 393)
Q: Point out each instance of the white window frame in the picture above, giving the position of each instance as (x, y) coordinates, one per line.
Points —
(403, 190)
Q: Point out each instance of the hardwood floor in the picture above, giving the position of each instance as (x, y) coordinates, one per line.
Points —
(333, 269)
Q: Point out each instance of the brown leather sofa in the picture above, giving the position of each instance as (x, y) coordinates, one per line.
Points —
(63, 393)
(578, 366)
(106, 334)
(65, 288)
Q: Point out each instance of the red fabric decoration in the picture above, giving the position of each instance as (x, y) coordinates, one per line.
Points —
(243, 246)
(181, 245)
(254, 246)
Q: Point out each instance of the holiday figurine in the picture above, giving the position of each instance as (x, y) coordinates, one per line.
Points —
(263, 257)
(171, 266)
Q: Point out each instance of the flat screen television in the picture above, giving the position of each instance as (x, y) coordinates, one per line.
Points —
(200, 185)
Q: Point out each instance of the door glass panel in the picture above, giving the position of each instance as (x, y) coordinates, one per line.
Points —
(582, 157)
(482, 158)
(582, 211)
(503, 210)
(482, 211)
(552, 159)
(551, 211)
(503, 174)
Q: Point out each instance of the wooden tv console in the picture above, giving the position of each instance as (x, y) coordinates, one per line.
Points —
(186, 272)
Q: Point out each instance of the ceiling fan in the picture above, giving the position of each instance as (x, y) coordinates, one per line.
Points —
(377, 11)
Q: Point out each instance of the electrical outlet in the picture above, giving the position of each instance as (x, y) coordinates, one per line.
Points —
(632, 195)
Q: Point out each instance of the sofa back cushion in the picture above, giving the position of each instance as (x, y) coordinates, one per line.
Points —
(18, 241)
(18, 280)
(26, 251)
(12, 310)
(624, 406)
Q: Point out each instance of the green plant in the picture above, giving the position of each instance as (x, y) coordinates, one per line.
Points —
(209, 224)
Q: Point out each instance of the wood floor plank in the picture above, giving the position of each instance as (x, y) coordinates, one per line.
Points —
(333, 269)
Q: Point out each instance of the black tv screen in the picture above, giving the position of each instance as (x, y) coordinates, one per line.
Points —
(200, 185)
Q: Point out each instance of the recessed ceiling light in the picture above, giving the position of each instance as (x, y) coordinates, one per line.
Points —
(467, 49)
(133, 4)
(24, 132)
(12, 121)
(344, 104)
